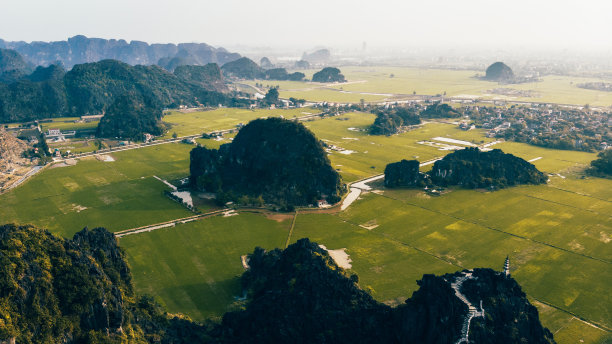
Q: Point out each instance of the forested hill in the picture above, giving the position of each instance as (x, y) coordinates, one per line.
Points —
(278, 160)
(300, 295)
(57, 290)
(80, 49)
(92, 87)
(473, 168)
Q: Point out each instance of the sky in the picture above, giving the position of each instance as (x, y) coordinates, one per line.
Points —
(331, 23)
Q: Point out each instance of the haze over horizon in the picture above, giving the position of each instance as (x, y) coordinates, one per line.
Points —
(344, 24)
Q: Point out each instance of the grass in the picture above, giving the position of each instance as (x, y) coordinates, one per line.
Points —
(196, 266)
(367, 82)
(372, 152)
(117, 195)
(194, 123)
(68, 123)
(75, 146)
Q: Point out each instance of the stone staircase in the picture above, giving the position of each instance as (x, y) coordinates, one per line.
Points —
(472, 310)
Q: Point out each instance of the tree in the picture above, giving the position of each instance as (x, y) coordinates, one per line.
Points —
(272, 96)
(603, 165)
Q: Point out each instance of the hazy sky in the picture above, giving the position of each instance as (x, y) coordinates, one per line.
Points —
(344, 23)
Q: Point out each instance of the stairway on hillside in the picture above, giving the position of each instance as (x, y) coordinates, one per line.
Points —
(472, 310)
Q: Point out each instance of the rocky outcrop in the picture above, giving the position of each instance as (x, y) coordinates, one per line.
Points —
(320, 56)
(11, 151)
(277, 159)
(500, 72)
(473, 168)
(403, 173)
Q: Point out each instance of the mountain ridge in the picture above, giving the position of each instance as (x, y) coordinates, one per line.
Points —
(81, 49)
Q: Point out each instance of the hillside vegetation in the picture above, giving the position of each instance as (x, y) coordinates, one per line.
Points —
(245, 68)
(473, 168)
(300, 295)
(91, 89)
(77, 290)
(276, 159)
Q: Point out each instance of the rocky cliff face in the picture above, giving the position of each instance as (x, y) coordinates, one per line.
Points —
(81, 49)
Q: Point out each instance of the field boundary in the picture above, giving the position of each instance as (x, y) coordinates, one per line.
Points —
(291, 229)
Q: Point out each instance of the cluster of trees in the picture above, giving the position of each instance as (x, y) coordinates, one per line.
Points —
(277, 159)
(473, 168)
(328, 74)
(391, 120)
(440, 110)
(599, 86)
(602, 166)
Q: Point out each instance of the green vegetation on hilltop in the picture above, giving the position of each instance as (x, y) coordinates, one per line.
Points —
(130, 117)
(245, 68)
(301, 293)
(76, 291)
(402, 174)
(439, 110)
(277, 159)
(208, 77)
(390, 121)
(91, 88)
(473, 168)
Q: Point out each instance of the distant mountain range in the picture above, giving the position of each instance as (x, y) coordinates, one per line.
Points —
(80, 49)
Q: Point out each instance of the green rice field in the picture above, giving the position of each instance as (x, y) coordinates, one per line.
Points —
(378, 83)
